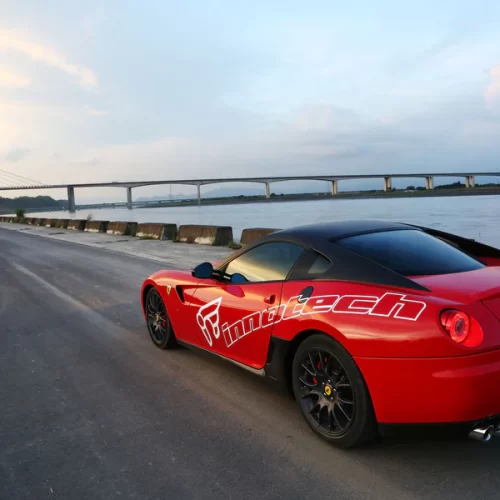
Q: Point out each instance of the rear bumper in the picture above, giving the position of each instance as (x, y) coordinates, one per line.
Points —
(433, 390)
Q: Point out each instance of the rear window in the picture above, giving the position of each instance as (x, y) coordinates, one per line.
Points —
(411, 253)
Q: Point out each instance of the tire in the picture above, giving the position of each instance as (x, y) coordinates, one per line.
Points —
(158, 321)
(332, 397)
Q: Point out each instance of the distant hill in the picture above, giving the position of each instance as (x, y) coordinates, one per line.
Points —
(29, 202)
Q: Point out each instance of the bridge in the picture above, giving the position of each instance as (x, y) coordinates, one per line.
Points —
(25, 184)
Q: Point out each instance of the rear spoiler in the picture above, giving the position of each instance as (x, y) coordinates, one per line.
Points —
(468, 245)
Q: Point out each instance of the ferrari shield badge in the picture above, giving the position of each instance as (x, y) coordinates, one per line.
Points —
(169, 288)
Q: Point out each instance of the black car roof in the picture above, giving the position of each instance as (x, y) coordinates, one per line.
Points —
(348, 265)
(331, 231)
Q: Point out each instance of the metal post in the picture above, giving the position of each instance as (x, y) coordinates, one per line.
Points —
(268, 190)
(129, 198)
(198, 187)
(334, 188)
(71, 199)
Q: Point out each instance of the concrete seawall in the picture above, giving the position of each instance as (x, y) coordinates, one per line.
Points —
(122, 228)
(77, 224)
(157, 231)
(250, 235)
(216, 236)
(96, 226)
(62, 223)
(206, 235)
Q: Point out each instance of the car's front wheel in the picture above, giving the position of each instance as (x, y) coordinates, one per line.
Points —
(158, 322)
(331, 393)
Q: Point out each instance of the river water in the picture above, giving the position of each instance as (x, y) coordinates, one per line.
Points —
(471, 216)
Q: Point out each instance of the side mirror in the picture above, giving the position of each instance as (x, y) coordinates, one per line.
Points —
(238, 278)
(203, 270)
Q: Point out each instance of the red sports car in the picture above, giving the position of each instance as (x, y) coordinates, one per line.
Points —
(367, 323)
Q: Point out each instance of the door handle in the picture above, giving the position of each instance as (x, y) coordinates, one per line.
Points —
(270, 299)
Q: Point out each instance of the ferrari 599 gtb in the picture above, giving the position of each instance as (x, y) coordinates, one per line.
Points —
(366, 323)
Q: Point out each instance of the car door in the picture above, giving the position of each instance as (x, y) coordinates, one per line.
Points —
(235, 314)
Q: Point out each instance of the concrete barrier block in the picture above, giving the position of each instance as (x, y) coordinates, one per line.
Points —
(206, 235)
(254, 233)
(41, 222)
(50, 222)
(157, 231)
(122, 228)
(96, 226)
(77, 224)
(62, 223)
(33, 221)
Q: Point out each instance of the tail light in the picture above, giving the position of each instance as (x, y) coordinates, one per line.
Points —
(456, 323)
(462, 328)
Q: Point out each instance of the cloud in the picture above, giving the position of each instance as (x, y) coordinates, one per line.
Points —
(484, 131)
(95, 111)
(13, 80)
(16, 154)
(322, 117)
(492, 92)
(92, 22)
(10, 40)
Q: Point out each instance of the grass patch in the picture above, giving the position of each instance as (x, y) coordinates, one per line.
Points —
(233, 245)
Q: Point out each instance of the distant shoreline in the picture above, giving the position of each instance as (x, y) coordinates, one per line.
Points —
(240, 200)
(277, 198)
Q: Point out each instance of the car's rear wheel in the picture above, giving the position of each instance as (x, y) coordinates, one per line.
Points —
(331, 392)
(158, 322)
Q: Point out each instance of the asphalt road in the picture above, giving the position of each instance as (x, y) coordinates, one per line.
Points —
(89, 408)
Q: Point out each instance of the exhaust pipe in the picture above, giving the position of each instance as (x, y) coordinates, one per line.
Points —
(484, 432)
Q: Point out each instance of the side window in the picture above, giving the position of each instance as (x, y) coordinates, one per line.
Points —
(319, 266)
(312, 265)
(267, 262)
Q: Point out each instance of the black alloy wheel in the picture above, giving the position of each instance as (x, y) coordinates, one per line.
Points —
(158, 322)
(331, 393)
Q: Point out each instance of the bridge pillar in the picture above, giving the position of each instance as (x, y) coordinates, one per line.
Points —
(334, 188)
(472, 181)
(198, 189)
(467, 181)
(268, 190)
(429, 182)
(387, 183)
(71, 199)
(129, 198)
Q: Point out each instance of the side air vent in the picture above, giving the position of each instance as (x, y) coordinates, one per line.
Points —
(180, 293)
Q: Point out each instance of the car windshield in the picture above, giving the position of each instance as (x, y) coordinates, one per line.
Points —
(411, 252)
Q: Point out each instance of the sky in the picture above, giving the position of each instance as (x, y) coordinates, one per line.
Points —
(125, 90)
